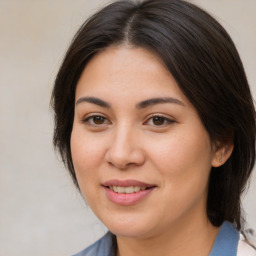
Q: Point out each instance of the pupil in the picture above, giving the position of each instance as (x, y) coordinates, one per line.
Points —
(98, 120)
(158, 120)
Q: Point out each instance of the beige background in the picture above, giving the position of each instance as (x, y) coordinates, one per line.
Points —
(41, 214)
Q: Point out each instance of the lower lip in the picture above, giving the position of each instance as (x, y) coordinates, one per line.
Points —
(127, 199)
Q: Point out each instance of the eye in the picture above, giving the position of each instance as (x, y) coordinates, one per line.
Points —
(159, 121)
(95, 120)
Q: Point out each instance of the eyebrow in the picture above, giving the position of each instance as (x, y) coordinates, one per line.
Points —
(140, 105)
(94, 100)
(154, 101)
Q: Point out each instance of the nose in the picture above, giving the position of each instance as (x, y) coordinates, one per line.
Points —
(125, 150)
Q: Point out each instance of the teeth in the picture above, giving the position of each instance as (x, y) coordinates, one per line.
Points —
(126, 190)
(129, 190)
(120, 189)
(137, 189)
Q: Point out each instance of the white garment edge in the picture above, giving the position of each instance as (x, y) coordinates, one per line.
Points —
(244, 249)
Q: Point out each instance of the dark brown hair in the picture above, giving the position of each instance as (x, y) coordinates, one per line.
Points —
(205, 63)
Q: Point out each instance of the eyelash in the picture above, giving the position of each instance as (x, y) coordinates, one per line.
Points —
(90, 121)
(87, 120)
(167, 121)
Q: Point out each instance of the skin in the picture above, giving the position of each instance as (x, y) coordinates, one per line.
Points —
(125, 142)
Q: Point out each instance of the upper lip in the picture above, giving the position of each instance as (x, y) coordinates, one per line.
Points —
(127, 183)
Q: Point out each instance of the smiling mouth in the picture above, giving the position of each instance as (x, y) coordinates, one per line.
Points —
(126, 190)
(127, 186)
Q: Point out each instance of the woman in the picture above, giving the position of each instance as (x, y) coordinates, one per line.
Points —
(155, 121)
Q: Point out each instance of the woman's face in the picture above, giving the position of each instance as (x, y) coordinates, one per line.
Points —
(141, 154)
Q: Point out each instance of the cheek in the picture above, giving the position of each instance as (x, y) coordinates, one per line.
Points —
(86, 159)
(85, 149)
(87, 154)
(184, 166)
(184, 148)
(184, 160)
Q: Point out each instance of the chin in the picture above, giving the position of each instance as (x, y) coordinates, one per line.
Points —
(131, 232)
(129, 227)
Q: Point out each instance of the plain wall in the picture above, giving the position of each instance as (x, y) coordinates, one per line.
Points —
(41, 213)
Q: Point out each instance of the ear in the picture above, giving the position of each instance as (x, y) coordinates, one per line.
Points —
(222, 152)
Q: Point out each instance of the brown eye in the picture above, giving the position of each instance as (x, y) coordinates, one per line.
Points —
(158, 120)
(98, 120)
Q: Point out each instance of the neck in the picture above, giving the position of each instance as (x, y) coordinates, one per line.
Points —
(187, 238)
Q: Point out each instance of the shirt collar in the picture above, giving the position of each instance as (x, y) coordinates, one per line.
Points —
(226, 241)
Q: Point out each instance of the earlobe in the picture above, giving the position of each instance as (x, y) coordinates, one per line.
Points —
(222, 154)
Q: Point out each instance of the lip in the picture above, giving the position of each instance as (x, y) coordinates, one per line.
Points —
(127, 199)
(127, 183)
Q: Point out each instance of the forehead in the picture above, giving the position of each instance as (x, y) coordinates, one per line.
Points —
(124, 71)
(125, 60)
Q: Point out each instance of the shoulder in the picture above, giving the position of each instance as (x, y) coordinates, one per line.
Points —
(105, 246)
(245, 249)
